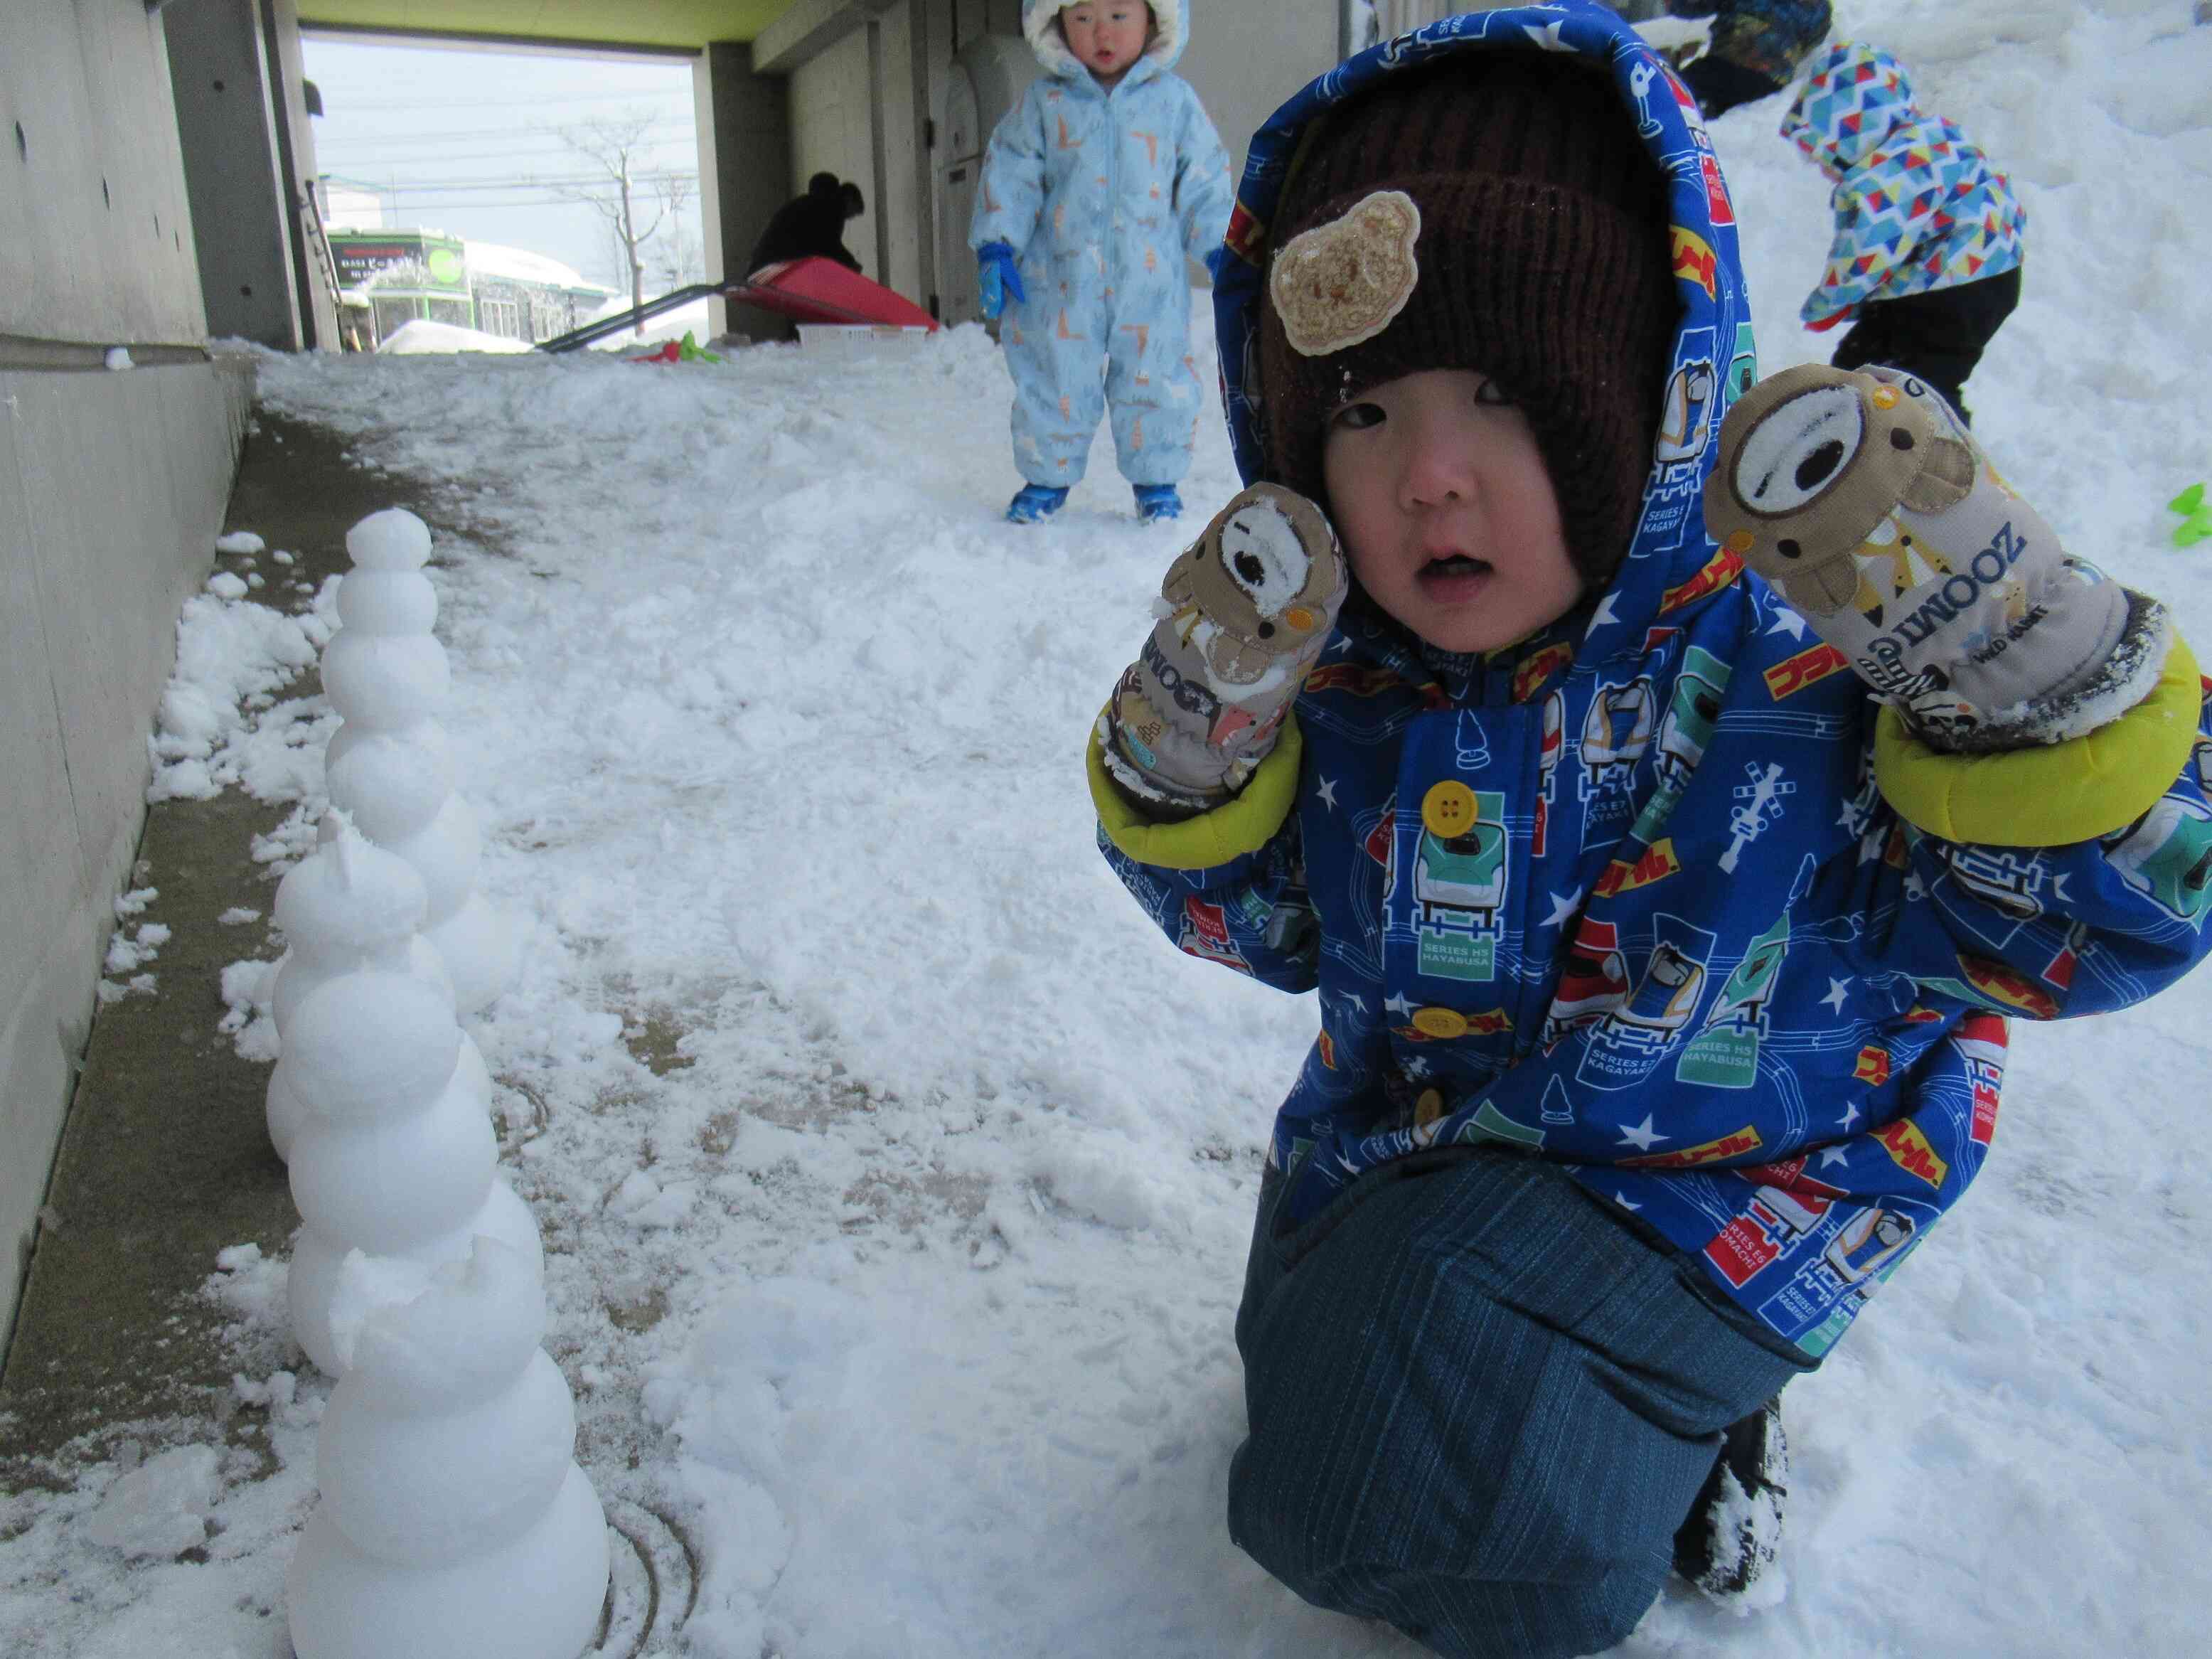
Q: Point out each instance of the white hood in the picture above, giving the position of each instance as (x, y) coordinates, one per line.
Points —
(1039, 25)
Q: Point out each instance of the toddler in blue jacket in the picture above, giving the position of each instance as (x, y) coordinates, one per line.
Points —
(1096, 190)
(1926, 261)
(1668, 810)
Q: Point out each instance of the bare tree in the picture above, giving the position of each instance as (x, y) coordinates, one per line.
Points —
(676, 253)
(621, 197)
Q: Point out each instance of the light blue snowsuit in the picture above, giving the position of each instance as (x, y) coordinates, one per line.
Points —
(1102, 196)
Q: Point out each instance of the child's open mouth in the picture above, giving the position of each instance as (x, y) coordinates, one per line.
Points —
(1455, 577)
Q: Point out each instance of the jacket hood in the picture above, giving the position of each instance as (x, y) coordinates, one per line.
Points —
(1854, 96)
(1038, 17)
(1671, 563)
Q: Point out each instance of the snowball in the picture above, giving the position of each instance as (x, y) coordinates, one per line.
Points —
(160, 1508)
(444, 853)
(386, 682)
(118, 357)
(479, 950)
(384, 1184)
(538, 1595)
(352, 896)
(328, 1308)
(283, 1112)
(225, 586)
(371, 1043)
(394, 539)
(424, 1490)
(463, 1340)
(393, 784)
(387, 602)
(299, 973)
(240, 541)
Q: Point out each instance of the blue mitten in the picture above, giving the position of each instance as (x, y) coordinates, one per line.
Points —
(997, 277)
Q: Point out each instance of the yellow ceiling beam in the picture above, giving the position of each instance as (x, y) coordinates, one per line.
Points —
(666, 25)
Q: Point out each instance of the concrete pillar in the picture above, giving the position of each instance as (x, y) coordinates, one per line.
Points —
(314, 276)
(745, 171)
(226, 110)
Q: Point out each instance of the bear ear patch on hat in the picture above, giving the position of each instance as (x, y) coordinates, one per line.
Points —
(1341, 283)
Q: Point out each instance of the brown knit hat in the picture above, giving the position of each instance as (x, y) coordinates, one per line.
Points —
(1495, 212)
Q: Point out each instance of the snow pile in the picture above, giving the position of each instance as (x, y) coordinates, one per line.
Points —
(422, 336)
(218, 726)
(162, 1507)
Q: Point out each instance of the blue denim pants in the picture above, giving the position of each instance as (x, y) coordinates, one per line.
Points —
(1481, 1404)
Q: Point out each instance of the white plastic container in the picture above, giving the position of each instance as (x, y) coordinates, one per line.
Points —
(861, 339)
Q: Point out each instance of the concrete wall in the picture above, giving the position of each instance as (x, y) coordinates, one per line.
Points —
(1247, 57)
(112, 486)
(904, 206)
(95, 238)
(832, 131)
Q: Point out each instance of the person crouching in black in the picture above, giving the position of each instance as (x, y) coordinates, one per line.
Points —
(812, 224)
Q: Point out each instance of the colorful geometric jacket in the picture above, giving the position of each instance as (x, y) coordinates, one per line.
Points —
(1916, 206)
(1770, 36)
(1656, 893)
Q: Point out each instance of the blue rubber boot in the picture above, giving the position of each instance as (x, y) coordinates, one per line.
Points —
(1158, 501)
(1034, 502)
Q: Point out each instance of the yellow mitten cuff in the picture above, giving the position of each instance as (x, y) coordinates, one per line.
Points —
(2047, 795)
(1244, 823)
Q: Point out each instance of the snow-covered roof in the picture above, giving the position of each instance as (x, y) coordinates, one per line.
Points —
(490, 259)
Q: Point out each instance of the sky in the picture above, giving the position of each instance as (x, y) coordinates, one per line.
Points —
(469, 142)
(896, 1175)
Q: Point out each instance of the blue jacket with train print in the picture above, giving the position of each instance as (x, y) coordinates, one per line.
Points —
(1632, 895)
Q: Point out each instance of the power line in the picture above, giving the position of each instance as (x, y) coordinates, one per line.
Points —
(350, 161)
(673, 124)
(442, 186)
(517, 103)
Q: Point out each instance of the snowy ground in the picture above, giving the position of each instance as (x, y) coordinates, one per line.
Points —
(896, 1176)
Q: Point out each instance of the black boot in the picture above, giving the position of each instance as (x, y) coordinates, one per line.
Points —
(1735, 1525)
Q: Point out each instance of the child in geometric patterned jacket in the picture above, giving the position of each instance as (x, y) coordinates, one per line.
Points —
(1926, 261)
(1667, 809)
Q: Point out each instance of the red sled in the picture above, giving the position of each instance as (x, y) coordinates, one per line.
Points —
(810, 291)
(818, 290)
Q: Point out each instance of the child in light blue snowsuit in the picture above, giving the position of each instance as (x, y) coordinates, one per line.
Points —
(1096, 188)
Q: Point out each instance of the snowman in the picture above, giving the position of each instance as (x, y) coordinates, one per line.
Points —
(389, 765)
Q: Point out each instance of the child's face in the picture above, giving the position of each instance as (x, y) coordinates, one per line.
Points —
(1106, 36)
(1447, 512)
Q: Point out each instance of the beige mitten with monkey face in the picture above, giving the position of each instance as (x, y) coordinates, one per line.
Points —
(1245, 612)
(1861, 496)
